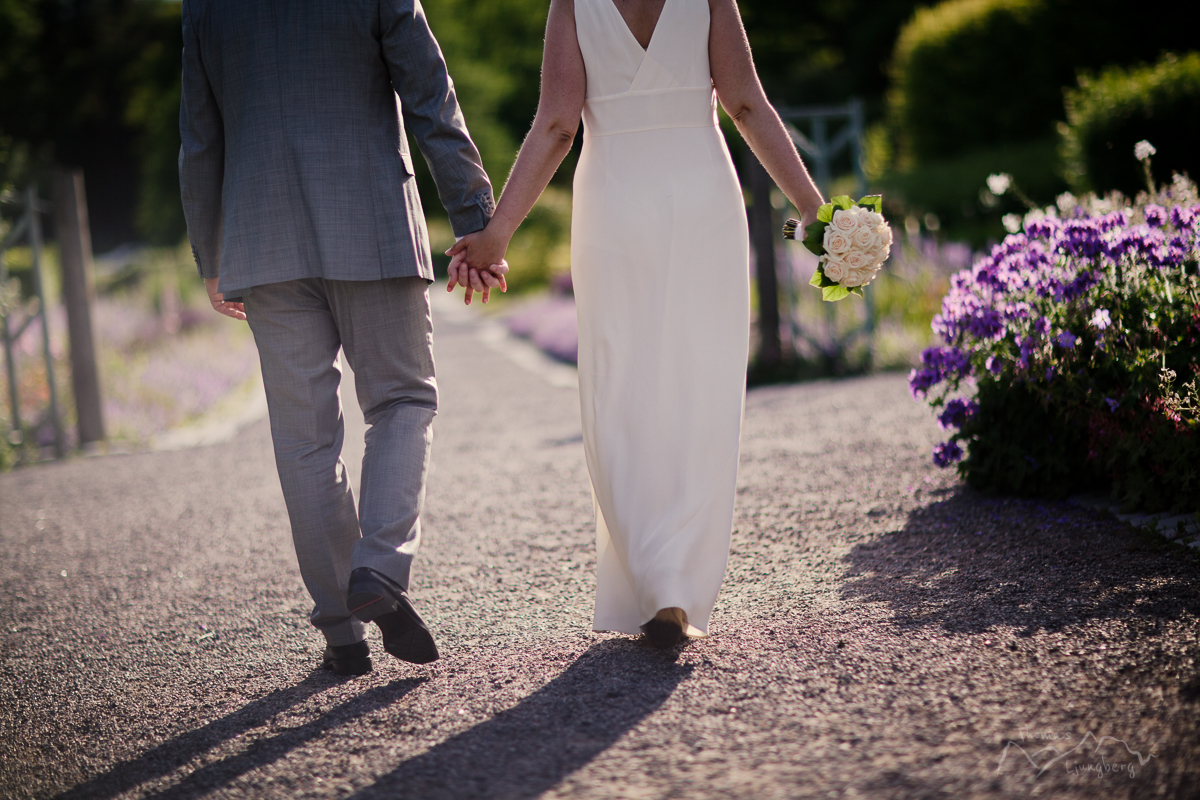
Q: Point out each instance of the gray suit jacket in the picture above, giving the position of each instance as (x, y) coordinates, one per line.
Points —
(295, 162)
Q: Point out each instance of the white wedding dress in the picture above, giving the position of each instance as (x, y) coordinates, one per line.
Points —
(659, 262)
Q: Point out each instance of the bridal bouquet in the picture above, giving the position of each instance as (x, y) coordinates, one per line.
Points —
(852, 241)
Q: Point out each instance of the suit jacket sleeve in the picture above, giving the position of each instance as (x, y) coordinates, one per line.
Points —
(430, 108)
(201, 155)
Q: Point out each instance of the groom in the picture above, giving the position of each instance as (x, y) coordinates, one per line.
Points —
(304, 220)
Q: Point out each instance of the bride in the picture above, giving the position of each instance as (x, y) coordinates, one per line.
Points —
(659, 264)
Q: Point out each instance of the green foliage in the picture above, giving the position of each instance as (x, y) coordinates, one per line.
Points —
(494, 53)
(71, 75)
(824, 52)
(1110, 113)
(1085, 369)
(952, 189)
(972, 73)
(153, 110)
(541, 246)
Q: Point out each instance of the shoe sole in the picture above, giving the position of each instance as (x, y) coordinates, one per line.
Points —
(407, 639)
(404, 633)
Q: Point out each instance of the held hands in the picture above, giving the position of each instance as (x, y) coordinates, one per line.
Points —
(481, 280)
(235, 310)
(477, 263)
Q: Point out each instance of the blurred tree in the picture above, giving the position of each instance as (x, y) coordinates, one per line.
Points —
(68, 71)
(811, 53)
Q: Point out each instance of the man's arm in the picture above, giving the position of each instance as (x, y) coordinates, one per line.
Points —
(431, 112)
(201, 155)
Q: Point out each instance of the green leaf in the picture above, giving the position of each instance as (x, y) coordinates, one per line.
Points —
(843, 202)
(815, 238)
(825, 213)
(818, 278)
(831, 294)
(873, 202)
(858, 290)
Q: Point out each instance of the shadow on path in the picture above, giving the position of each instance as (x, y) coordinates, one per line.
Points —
(528, 749)
(176, 753)
(971, 562)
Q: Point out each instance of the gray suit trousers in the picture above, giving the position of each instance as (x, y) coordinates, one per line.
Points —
(384, 328)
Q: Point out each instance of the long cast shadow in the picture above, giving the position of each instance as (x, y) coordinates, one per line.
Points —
(970, 563)
(526, 750)
(170, 756)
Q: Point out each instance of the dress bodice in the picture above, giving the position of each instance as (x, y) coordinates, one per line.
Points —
(667, 84)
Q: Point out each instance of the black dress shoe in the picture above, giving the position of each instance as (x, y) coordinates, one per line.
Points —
(347, 659)
(374, 597)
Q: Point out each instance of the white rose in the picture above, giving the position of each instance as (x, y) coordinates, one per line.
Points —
(885, 233)
(856, 259)
(835, 268)
(864, 238)
(836, 241)
(844, 221)
(862, 277)
(870, 219)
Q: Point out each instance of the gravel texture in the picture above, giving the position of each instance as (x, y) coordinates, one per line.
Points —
(882, 632)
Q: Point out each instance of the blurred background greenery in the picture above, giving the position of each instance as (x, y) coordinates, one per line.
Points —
(1055, 92)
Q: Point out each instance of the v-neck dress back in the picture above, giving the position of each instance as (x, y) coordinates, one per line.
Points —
(660, 267)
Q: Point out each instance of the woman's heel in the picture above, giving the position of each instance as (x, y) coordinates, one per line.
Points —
(668, 628)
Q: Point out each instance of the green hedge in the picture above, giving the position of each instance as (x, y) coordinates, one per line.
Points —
(972, 73)
(1110, 113)
(951, 188)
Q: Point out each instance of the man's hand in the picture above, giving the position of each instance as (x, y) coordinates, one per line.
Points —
(235, 310)
(476, 280)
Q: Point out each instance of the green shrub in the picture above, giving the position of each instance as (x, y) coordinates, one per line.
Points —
(1073, 349)
(1108, 114)
(972, 73)
(951, 188)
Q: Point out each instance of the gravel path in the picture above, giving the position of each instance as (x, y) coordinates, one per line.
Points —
(882, 631)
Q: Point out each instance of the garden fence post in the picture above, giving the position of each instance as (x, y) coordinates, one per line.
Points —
(35, 240)
(10, 361)
(762, 237)
(75, 247)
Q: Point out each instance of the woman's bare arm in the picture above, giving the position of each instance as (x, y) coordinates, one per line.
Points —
(564, 86)
(743, 98)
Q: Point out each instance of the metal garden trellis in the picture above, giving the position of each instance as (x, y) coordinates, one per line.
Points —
(821, 150)
(28, 227)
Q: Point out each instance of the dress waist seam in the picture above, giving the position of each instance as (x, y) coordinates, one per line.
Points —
(666, 126)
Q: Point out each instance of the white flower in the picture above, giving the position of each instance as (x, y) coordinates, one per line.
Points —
(998, 182)
(1065, 202)
(1143, 150)
(845, 221)
(856, 259)
(1012, 223)
(861, 277)
(1101, 319)
(869, 219)
(885, 237)
(865, 239)
(836, 241)
(835, 268)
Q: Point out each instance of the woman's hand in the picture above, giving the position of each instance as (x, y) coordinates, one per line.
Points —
(808, 216)
(481, 249)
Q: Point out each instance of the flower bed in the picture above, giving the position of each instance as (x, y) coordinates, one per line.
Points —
(1070, 354)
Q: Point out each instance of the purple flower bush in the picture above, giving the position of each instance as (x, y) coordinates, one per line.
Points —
(1069, 354)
